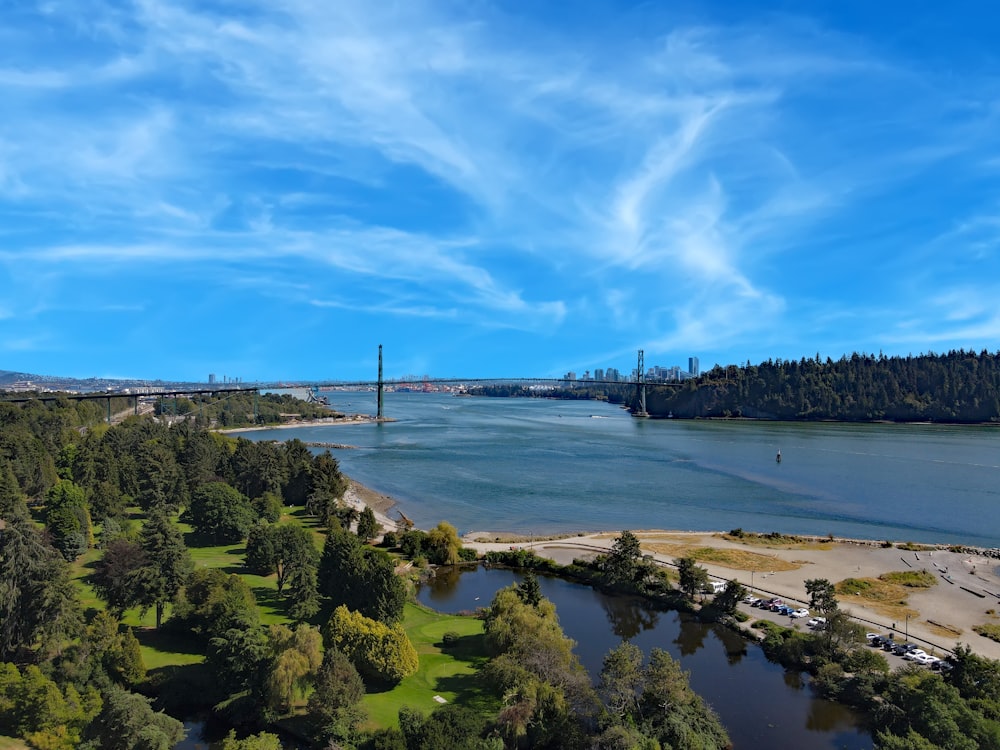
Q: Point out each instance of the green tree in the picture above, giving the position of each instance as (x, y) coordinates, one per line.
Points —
(674, 714)
(117, 575)
(361, 578)
(727, 599)
(168, 563)
(280, 549)
(38, 603)
(295, 657)
(334, 706)
(262, 741)
(691, 577)
(127, 722)
(368, 526)
(529, 590)
(822, 596)
(621, 680)
(67, 519)
(213, 603)
(442, 544)
(221, 512)
(622, 561)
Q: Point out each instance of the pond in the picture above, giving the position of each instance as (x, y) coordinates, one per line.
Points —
(760, 703)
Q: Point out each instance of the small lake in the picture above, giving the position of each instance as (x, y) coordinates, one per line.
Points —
(761, 705)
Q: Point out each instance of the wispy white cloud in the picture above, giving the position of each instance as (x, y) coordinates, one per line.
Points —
(684, 182)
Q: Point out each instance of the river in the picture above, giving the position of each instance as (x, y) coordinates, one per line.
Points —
(760, 704)
(543, 466)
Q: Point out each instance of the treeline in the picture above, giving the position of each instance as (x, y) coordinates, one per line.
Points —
(958, 386)
(241, 409)
(612, 393)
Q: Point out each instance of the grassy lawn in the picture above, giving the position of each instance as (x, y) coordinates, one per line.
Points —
(11, 743)
(449, 672)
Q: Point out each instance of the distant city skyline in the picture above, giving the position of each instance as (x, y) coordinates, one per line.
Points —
(271, 190)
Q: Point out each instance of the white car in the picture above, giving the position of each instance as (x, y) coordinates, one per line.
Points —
(803, 612)
(915, 655)
(817, 623)
(928, 661)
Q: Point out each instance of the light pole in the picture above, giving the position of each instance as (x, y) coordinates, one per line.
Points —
(907, 626)
(751, 581)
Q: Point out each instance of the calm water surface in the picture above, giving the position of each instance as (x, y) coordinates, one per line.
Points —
(534, 465)
(760, 705)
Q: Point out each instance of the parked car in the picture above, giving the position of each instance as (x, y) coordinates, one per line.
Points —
(930, 661)
(800, 612)
(901, 649)
(915, 655)
(816, 623)
(888, 644)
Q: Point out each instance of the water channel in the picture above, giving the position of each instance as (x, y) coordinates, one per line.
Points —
(760, 704)
(542, 466)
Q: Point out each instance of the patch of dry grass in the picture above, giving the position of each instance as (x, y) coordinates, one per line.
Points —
(914, 579)
(988, 631)
(735, 559)
(777, 541)
(944, 630)
(884, 597)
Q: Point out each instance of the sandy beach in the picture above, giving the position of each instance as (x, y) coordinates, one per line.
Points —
(347, 419)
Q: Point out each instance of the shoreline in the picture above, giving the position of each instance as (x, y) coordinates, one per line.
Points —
(965, 592)
(349, 419)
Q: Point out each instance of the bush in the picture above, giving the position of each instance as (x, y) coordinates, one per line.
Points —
(467, 554)
(450, 638)
(378, 651)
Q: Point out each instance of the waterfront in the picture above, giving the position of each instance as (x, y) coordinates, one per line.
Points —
(759, 703)
(542, 466)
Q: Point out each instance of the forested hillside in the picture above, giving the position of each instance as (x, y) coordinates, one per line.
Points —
(955, 387)
(153, 571)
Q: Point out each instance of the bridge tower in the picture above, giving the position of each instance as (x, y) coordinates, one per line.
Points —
(378, 414)
(640, 385)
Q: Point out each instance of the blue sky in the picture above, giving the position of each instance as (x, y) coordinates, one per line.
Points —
(270, 190)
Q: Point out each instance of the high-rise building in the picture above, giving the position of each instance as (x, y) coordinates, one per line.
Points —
(211, 378)
(598, 374)
(693, 366)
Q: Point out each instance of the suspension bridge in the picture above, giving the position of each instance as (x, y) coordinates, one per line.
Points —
(139, 396)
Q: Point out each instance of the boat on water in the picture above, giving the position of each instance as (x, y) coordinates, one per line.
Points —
(778, 457)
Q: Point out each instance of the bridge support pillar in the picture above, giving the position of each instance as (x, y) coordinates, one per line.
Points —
(640, 383)
(378, 413)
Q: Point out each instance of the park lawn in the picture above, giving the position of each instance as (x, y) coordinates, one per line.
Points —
(12, 743)
(452, 672)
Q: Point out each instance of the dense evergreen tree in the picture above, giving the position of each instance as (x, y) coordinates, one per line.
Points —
(691, 576)
(220, 512)
(117, 576)
(168, 563)
(38, 603)
(361, 578)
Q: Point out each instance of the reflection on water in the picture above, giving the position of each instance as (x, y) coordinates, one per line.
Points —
(691, 637)
(760, 704)
(628, 617)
